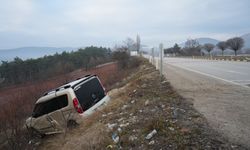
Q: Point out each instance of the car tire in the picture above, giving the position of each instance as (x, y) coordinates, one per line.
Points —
(34, 133)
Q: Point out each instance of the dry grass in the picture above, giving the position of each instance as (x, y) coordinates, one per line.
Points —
(93, 138)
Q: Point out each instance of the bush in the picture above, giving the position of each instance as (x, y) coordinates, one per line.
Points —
(125, 61)
(134, 62)
(122, 57)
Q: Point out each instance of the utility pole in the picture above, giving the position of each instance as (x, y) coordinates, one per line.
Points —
(161, 58)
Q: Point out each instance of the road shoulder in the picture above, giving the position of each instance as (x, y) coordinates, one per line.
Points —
(226, 106)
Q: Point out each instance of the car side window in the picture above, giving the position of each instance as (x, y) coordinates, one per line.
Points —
(50, 106)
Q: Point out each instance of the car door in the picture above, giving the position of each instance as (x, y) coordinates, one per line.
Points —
(57, 121)
(42, 124)
(49, 115)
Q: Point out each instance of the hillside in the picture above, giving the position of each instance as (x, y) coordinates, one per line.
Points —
(19, 101)
(146, 113)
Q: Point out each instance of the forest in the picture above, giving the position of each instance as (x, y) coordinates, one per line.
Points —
(20, 71)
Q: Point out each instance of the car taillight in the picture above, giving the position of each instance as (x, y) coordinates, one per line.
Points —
(77, 105)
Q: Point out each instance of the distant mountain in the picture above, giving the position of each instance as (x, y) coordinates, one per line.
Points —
(31, 52)
(246, 38)
(207, 40)
(203, 41)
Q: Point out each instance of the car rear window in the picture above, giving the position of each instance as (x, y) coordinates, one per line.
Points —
(50, 106)
(89, 93)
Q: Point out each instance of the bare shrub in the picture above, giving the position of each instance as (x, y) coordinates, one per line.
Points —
(222, 46)
(134, 62)
(122, 57)
(192, 47)
(208, 47)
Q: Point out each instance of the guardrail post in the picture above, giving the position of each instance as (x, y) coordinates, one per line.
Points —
(161, 58)
(153, 56)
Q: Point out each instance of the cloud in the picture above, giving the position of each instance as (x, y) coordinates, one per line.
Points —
(104, 22)
(14, 14)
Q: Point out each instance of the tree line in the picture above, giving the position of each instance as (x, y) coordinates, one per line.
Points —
(19, 71)
(193, 48)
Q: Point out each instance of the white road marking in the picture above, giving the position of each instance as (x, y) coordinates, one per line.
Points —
(209, 75)
(231, 71)
(241, 80)
(236, 72)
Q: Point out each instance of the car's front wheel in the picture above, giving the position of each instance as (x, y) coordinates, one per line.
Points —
(35, 133)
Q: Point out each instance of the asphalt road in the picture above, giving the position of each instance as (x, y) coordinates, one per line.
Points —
(218, 89)
(229, 71)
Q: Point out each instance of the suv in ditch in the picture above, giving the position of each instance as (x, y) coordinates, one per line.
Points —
(68, 104)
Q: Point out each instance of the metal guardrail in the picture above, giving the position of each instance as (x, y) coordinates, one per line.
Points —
(222, 58)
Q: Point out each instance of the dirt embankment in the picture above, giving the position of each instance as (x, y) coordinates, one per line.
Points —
(146, 113)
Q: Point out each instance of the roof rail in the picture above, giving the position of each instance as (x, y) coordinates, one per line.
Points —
(86, 78)
(87, 75)
(57, 89)
(49, 92)
(69, 86)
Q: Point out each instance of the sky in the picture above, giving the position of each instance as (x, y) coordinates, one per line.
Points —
(76, 23)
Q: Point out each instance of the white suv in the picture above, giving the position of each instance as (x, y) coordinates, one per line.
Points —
(67, 104)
